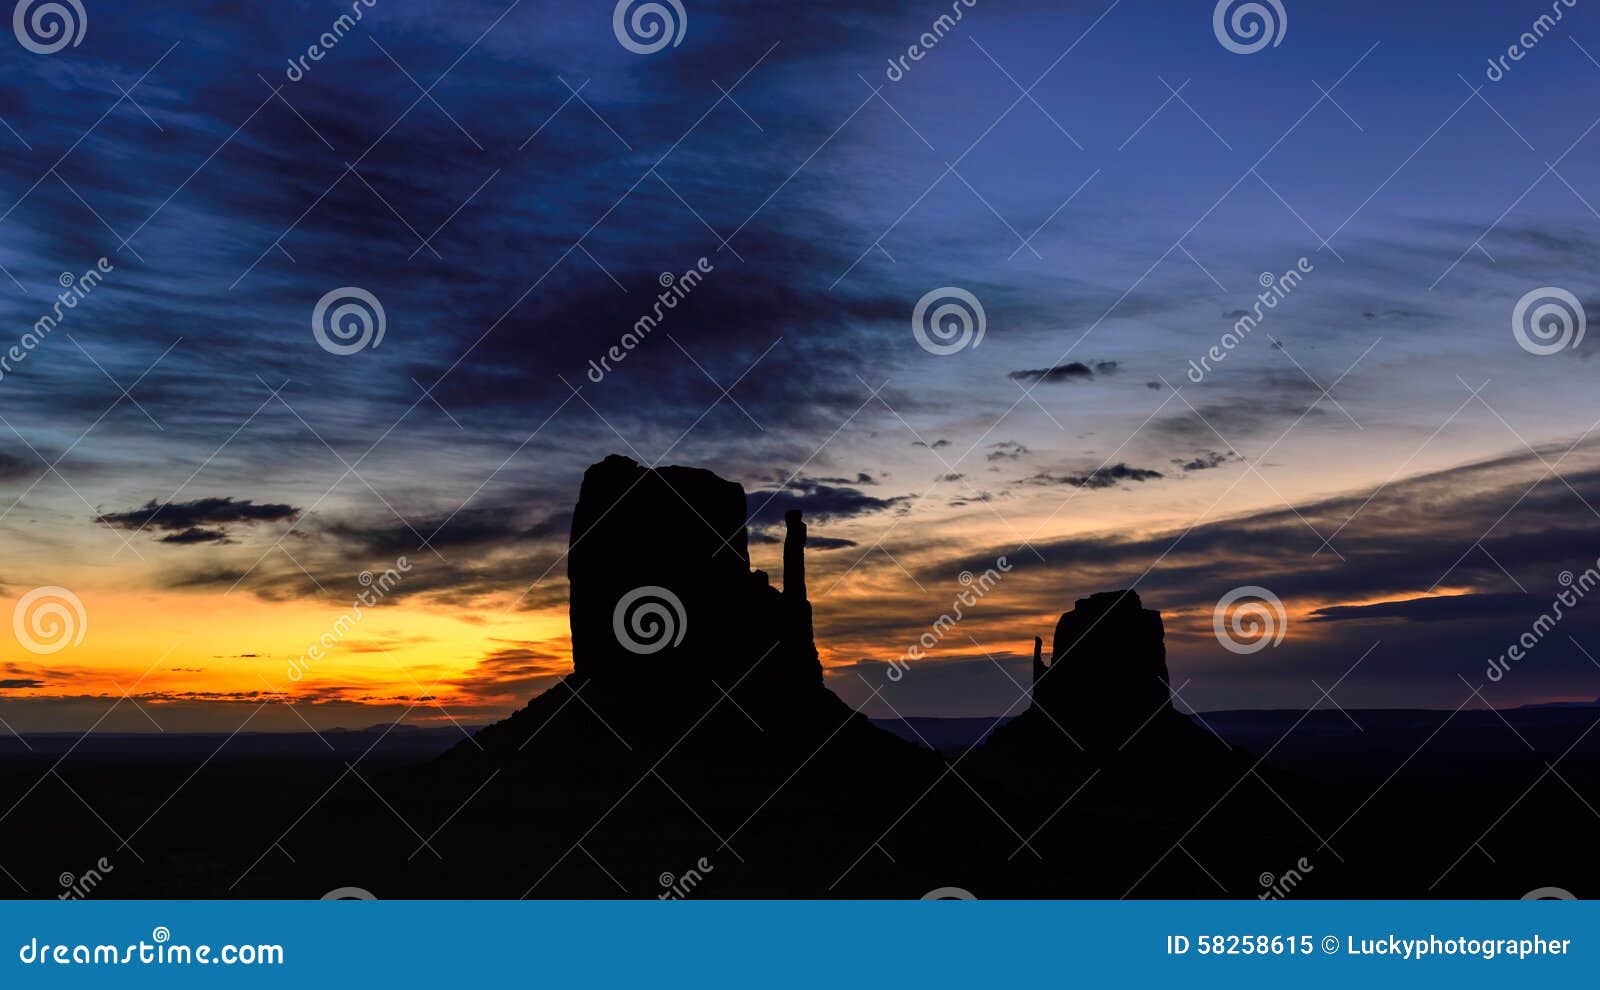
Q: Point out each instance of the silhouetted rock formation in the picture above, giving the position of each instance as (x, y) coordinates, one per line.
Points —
(1103, 699)
(696, 729)
(695, 724)
(1103, 737)
(1107, 676)
(661, 586)
(794, 555)
(794, 583)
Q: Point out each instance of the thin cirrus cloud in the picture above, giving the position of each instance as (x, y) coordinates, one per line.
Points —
(1442, 530)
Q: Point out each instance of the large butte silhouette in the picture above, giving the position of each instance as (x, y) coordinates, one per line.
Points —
(695, 742)
(662, 593)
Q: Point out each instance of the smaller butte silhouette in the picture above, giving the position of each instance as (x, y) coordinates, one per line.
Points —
(1107, 676)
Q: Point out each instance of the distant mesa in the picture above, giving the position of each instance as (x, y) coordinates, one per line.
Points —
(1107, 675)
(1103, 695)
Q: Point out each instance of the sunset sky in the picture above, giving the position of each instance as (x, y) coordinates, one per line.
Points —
(1106, 178)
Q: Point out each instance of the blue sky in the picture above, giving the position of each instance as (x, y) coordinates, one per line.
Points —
(515, 220)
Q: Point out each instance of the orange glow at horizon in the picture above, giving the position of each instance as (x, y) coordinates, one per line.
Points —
(169, 646)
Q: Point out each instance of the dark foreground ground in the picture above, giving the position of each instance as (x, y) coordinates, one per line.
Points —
(1373, 804)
